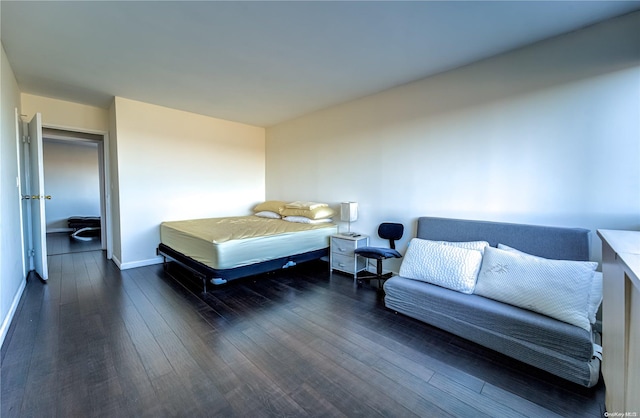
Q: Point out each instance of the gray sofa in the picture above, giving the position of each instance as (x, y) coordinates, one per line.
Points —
(558, 347)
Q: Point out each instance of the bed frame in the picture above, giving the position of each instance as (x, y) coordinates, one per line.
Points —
(217, 277)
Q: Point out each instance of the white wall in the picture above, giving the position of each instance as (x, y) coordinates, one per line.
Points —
(12, 274)
(177, 165)
(62, 114)
(546, 135)
(72, 179)
(164, 164)
(116, 230)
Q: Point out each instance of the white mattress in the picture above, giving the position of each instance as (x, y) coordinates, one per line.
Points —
(275, 238)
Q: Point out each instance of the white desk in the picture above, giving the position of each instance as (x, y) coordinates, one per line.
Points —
(621, 320)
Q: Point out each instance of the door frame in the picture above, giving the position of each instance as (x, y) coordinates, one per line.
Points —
(104, 178)
(25, 208)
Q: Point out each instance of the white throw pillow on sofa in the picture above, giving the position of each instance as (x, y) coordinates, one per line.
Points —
(595, 296)
(444, 265)
(595, 293)
(556, 288)
(469, 245)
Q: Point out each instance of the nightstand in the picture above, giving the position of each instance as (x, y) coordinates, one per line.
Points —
(342, 256)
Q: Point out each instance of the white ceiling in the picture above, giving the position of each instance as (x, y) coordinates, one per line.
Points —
(265, 62)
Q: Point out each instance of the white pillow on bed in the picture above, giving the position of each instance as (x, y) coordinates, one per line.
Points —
(270, 205)
(595, 292)
(305, 205)
(556, 288)
(321, 212)
(304, 220)
(268, 214)
(442, 264)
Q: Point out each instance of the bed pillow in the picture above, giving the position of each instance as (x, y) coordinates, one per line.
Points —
(556, 288)
(303, 220)
(449, 266)
(268, 214)
(271, 206)
(595, 292)
(322, 212)
(305, 205)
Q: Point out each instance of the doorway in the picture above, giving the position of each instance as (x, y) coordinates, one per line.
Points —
(74, 175)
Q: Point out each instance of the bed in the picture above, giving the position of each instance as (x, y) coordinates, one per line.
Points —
(218, 250)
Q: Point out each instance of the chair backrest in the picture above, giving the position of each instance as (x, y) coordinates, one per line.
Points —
(391, 231)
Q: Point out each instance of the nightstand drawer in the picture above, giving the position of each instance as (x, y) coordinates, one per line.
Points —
(347, 263)
(343, 246)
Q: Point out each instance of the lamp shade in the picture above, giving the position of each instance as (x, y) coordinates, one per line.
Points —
(349, 211)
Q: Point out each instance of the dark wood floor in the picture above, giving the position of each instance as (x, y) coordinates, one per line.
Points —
(97, 342)
(62, 243)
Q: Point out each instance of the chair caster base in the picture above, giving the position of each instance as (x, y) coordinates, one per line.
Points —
(359, 281)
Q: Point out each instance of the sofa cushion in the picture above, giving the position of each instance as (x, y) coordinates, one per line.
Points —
(448, 309)
(536, 339)
(557, 288)
(445, 265)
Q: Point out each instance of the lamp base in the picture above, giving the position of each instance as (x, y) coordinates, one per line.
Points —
(350, 234)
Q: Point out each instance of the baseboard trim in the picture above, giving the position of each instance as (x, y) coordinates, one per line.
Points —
(116, 260)
(140, 263)
(6, 323)
(58, 230)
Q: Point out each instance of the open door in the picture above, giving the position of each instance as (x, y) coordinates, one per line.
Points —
(34, 169)
(25, 196)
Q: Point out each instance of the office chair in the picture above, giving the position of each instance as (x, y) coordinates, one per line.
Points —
(386, 230)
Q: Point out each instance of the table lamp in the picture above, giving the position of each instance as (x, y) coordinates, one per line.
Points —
(349, 213)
